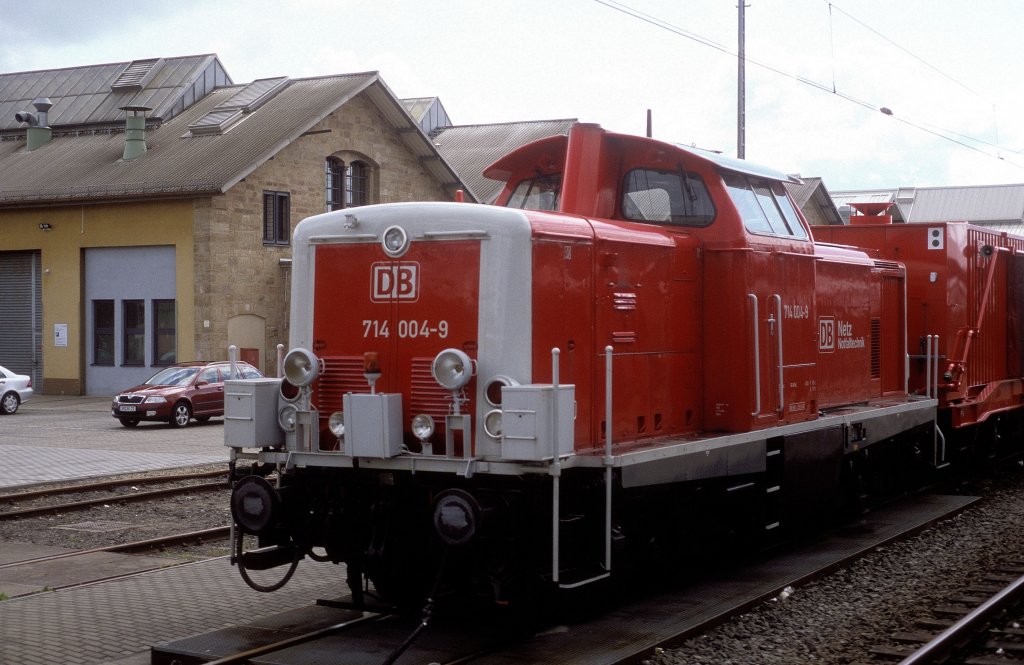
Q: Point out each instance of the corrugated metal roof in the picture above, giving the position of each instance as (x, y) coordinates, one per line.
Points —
(864, 196)
(472, 148)
(802, 191)
(812, 192)
(979, 204)
(84, 96)
(982, 203)
(89, 166)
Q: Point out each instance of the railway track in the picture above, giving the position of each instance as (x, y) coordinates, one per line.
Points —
(69, 488)
(69, 534)
(41, 500)
(980, 626)
(53, 509)
(90, 571)
(150, 544)
(375, 637)
(627, 632)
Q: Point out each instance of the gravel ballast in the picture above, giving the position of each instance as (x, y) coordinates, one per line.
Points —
(836, 620)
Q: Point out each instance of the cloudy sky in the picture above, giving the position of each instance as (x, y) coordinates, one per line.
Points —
(817, 72)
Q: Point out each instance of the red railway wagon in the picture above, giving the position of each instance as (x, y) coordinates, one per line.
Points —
(965, 295)
(639, 343)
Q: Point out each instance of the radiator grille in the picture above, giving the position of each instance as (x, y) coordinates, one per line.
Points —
(876, 348)
(427, 395)
(342, 374)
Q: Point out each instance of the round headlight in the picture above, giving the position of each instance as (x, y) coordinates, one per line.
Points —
(492, 423)
(287, 416)
(336, 423)
(395, 241)
(422, 427)
(452, 368)
(301, 367)
(492, 393)
(289, 391)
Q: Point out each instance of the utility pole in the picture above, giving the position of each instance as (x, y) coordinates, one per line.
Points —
(741, 84)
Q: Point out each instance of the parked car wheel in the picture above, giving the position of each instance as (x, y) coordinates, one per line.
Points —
(9, 403)
(181, 415)
(129, 422)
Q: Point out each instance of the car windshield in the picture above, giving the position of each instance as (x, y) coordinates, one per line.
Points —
(173, 376)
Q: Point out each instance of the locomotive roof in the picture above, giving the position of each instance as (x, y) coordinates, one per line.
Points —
(502, 168)
(739, 165)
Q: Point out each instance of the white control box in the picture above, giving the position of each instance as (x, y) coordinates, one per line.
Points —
(528, 424)
(250, 413)
(373, 424)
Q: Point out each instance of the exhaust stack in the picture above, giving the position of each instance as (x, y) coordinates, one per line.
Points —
(134, 132)
(39, 132)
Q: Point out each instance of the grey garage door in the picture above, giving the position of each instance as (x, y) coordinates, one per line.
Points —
(21, 315)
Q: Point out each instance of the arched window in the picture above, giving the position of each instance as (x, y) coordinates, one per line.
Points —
(356, 176)
(348, 185)
(335, 170)
(351, 180)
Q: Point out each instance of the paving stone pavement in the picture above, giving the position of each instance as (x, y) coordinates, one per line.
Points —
(116, 622)
(60, 438)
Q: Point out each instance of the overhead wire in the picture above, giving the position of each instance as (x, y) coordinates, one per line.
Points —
(939, 132)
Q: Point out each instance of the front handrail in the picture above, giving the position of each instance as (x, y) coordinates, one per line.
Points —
(778, 315)
(757, 359)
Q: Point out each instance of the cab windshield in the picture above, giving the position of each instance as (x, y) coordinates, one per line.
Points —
(670, 197)
(541, 193)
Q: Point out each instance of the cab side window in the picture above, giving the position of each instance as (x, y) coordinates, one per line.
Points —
(763, 206)
(668, 197)
(537, 193)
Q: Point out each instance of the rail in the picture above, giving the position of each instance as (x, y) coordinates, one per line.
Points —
(954, 636)
(119, 498)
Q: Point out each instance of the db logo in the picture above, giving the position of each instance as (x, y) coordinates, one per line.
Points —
(826, 334)
(395, 281)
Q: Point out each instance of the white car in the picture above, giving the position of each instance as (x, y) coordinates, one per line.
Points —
(14, 389)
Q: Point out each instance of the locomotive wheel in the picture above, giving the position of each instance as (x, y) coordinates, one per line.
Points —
(181, 414)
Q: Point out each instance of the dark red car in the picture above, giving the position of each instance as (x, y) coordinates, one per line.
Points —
(179, 393)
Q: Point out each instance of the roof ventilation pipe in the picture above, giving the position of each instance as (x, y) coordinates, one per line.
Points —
(39, 132)
(134, 131)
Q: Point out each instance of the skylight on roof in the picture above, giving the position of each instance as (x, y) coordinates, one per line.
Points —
(254, 94)
(215, 122)
(137, 74)
(228, 112)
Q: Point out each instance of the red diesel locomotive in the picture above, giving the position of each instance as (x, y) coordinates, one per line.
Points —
(637, 339)
(965, 296)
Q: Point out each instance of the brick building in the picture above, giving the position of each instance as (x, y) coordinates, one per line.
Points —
(146, 208)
